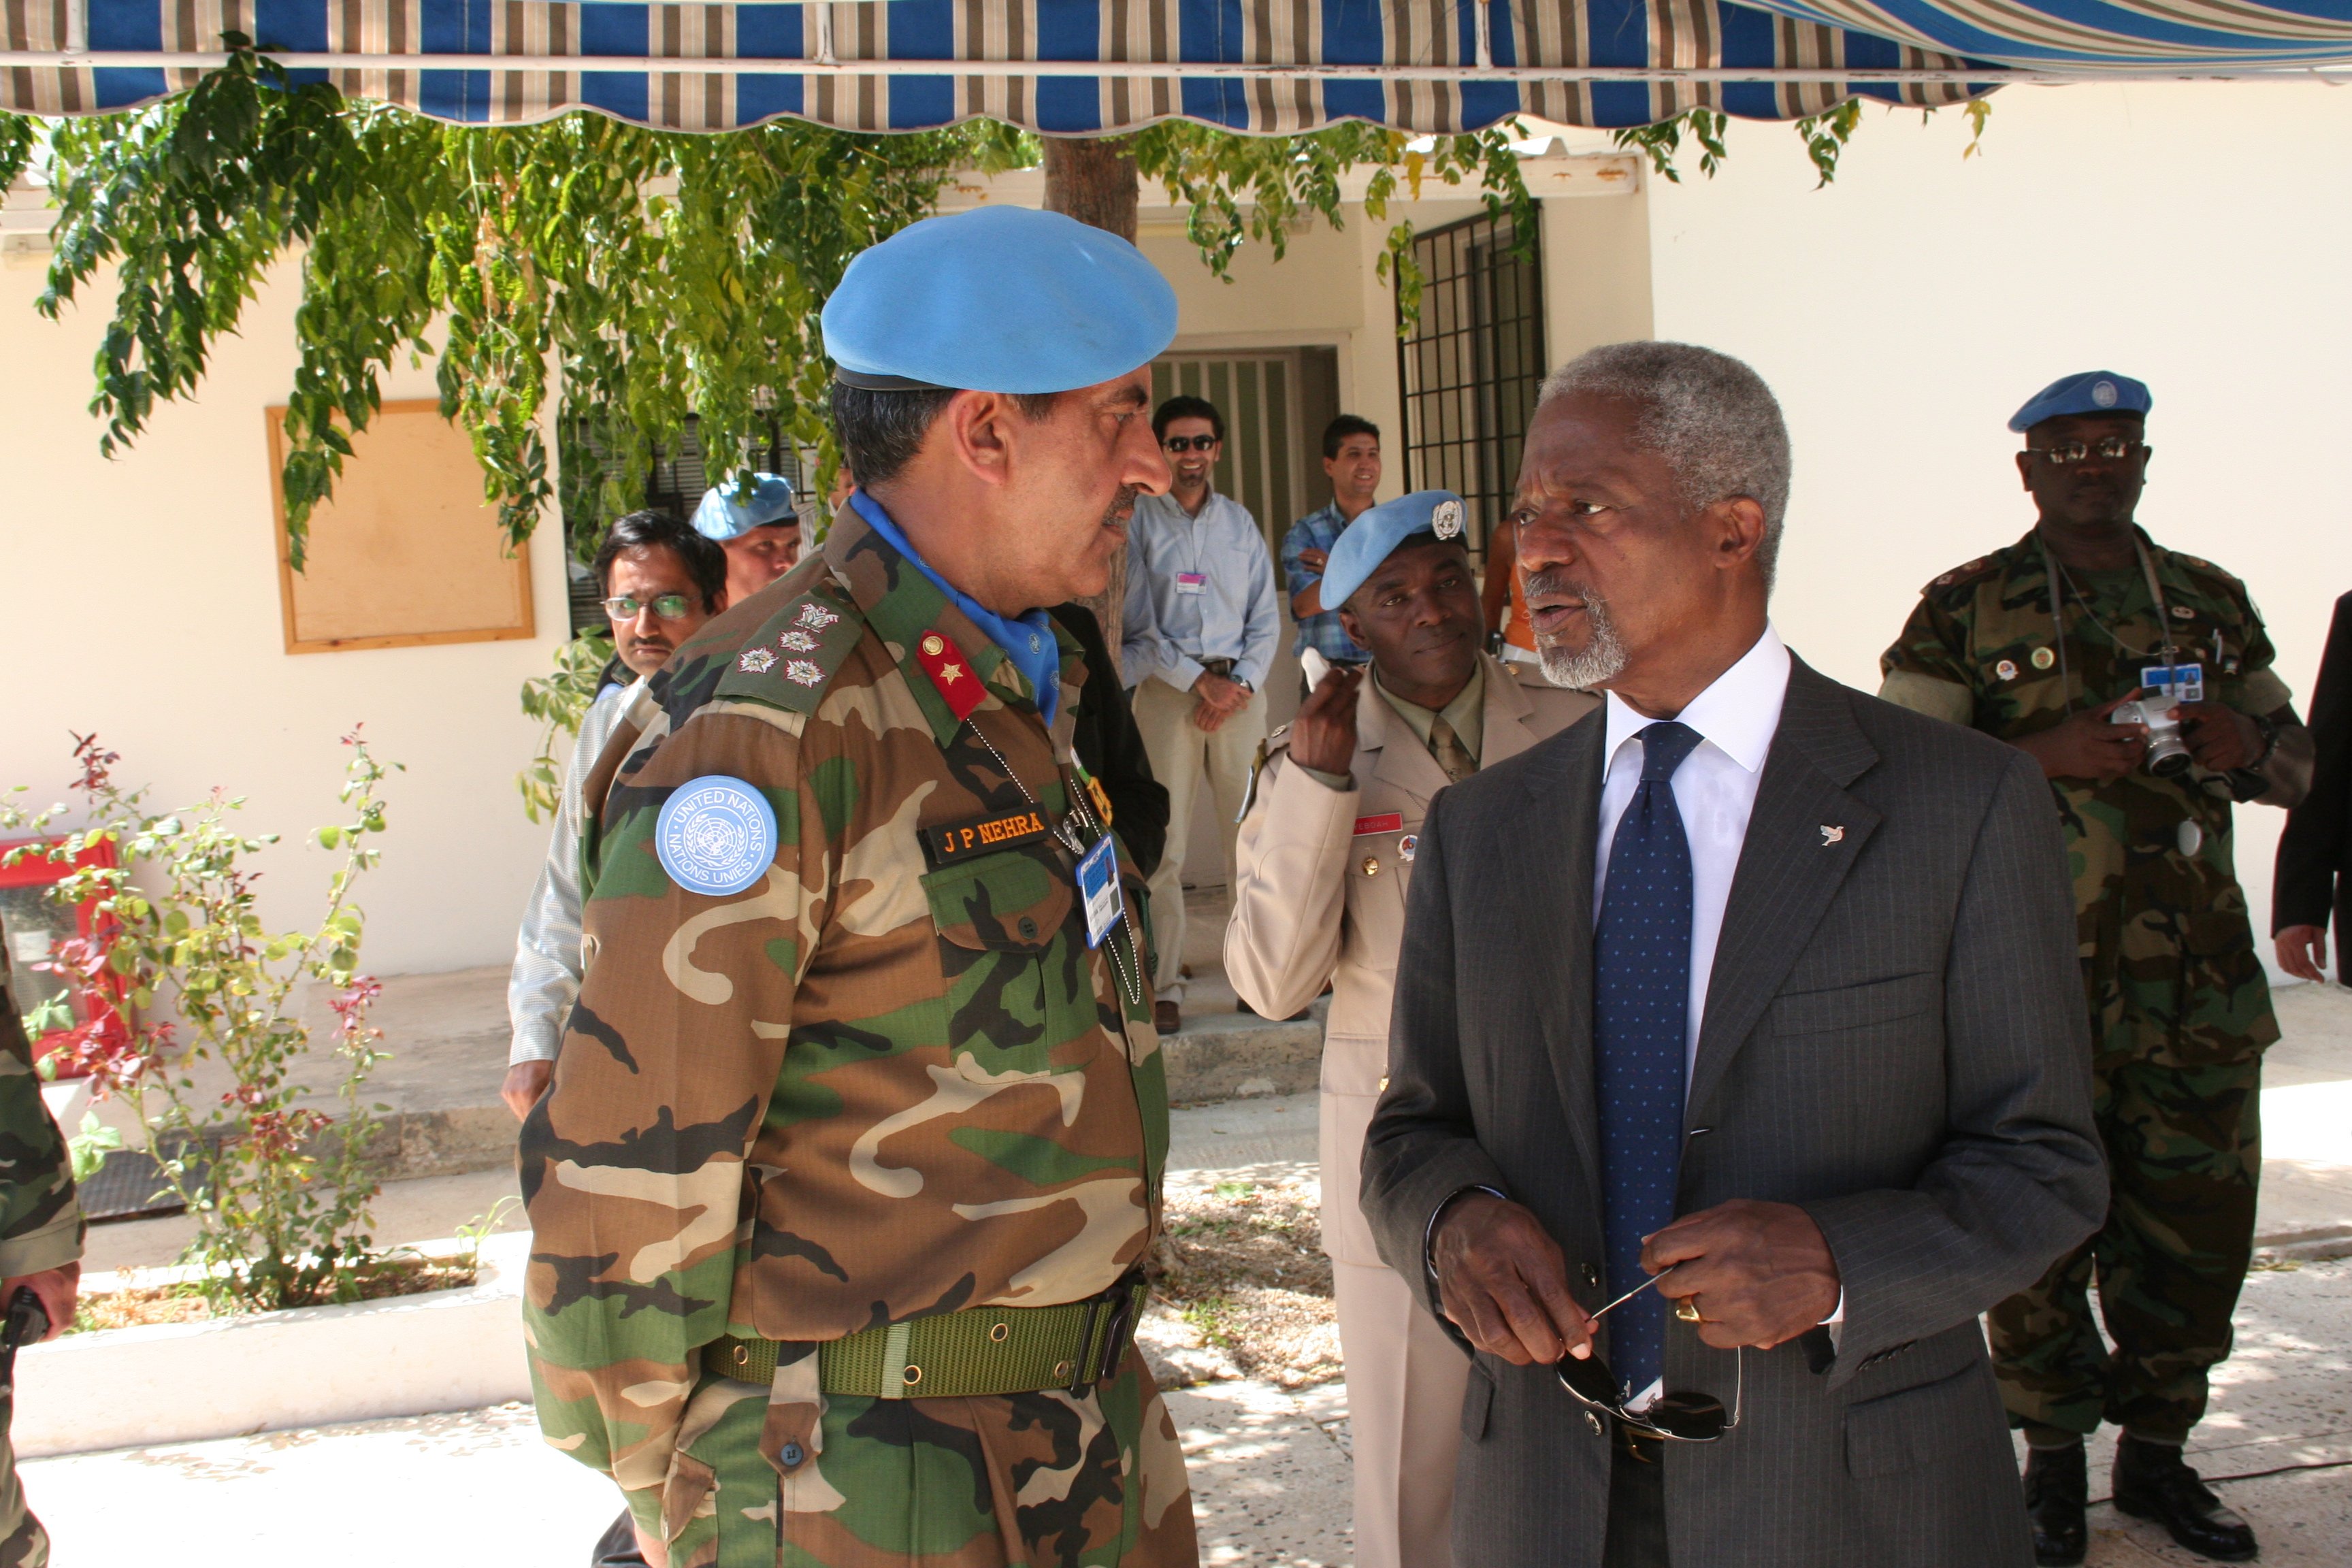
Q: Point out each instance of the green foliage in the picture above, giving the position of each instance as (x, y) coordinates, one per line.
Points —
(1825, 136)
(19, 135)
(88, 1148)
(1663, 141)
(280, 1191)
(1240, 188)
(559, 700)
(660, 274)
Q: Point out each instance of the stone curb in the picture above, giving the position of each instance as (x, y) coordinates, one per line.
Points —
(313, 1366)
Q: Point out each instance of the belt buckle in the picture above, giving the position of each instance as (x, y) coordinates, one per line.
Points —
(1122, 1300)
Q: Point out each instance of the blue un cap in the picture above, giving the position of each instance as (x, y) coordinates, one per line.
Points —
(2092, 392)
(1373, 537)
(723, 517)
(997, 299)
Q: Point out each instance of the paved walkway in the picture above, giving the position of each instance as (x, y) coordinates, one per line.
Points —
(1269, 1468)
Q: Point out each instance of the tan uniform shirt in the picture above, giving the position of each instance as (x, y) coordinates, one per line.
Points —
(1319, 895)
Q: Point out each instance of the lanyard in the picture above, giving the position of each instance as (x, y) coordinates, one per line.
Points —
(2060, 585)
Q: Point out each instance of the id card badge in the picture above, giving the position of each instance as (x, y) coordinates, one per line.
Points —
(1191, 583)
(1098, 889)
(2177, 682)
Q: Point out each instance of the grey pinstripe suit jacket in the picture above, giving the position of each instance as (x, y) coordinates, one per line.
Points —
(1894, 1038)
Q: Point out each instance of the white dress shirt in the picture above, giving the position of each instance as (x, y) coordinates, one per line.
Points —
(1715, 790)
(545, 980)
(1197, 588)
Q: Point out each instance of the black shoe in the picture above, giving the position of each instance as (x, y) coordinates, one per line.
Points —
(2153, 1481)
(2057, 1487)
(617, 1547)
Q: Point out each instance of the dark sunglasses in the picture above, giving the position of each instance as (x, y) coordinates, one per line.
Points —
(1190, 443)
(1685, 1418)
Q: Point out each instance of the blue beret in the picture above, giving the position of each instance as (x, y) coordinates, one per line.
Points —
(997, 299)
(2093, 392)
(722, 517)
(1375, 534)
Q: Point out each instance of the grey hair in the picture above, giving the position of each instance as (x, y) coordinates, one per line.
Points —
(1711, 417)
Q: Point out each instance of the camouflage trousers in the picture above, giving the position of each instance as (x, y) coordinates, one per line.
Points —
(23, 1542)
(1022, 1480)
(2184, 1158)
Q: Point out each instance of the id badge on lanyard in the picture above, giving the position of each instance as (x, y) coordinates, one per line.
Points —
(1099, 890)
(2174, 683)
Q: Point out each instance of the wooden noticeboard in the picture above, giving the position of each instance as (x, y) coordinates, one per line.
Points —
(407, 551)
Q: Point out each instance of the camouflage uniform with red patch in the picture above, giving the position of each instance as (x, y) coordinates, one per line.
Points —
(888, 1079)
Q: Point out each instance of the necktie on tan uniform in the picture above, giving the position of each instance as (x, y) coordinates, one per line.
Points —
(1451, 753)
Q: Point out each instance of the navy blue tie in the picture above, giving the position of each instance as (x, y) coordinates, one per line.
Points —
(1641, 1031)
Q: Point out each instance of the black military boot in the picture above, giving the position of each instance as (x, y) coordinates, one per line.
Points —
(2057, 1489)
(617, 1547)
(2153, 1481)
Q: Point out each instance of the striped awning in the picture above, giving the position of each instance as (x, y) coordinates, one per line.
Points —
(1075, 67)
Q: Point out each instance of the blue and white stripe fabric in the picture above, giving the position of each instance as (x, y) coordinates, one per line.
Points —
(985, 43)
(991, 39)
(2094, 34)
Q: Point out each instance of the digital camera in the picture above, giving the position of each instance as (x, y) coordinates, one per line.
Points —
(2167, 754)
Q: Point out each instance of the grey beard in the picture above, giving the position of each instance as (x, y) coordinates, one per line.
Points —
(1602, 657)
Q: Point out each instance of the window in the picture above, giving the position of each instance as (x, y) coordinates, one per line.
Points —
(1470, 369)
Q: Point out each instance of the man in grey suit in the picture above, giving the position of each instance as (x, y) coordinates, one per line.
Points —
(1748, 984)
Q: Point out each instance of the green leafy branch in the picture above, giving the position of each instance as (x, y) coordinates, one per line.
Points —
(1238, 188)
(1825, 136)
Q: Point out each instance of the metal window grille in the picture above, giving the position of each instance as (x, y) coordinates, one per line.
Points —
(1471, 367)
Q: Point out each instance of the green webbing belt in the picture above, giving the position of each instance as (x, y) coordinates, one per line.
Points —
(962, 1355)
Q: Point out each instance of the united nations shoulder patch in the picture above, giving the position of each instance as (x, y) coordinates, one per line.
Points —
(716, 836)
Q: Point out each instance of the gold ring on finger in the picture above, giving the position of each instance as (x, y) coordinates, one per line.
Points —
(1688, 1310)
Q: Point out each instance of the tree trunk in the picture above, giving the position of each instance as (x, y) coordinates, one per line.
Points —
(1093, 180)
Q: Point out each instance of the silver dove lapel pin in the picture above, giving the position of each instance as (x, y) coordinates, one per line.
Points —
(1832, 834)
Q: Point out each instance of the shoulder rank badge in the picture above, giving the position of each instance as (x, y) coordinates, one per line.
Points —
(950, 672)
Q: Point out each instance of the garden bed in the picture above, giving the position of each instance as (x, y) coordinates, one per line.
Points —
(132, 1302)
(1241, 1285)
(199, 1376)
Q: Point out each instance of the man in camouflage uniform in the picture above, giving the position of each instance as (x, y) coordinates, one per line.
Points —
(853, 1147)
(2040, 644)
(40, 1242)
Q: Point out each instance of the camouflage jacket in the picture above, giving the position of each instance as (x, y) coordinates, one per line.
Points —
(890, 1078)
(2167, 950)
(40, 1218)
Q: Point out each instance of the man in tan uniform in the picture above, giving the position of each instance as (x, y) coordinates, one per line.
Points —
(1325, 852)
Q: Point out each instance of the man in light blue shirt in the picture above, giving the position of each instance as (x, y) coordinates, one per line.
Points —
(1201, 627)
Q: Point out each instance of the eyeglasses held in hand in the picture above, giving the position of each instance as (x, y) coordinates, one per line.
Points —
(665, 606)
(1180, 444)
(2115, 449)
(1685, 1418)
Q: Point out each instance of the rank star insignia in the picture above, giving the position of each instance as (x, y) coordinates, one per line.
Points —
(797, 642)
(815, 617)
(802, 672)
(944, 662)
(1832, 835)
(755, 661)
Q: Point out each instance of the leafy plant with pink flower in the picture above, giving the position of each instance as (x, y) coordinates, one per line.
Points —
(178, 969)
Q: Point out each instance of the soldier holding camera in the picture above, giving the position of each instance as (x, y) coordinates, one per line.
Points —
(2140, 679)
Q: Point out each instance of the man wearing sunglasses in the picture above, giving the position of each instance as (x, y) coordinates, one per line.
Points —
(1748, 989)
(1201, 622)
(2050, 643)
(661, 582)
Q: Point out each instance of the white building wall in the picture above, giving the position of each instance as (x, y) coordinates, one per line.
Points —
(145, 606)
(2193, 237)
